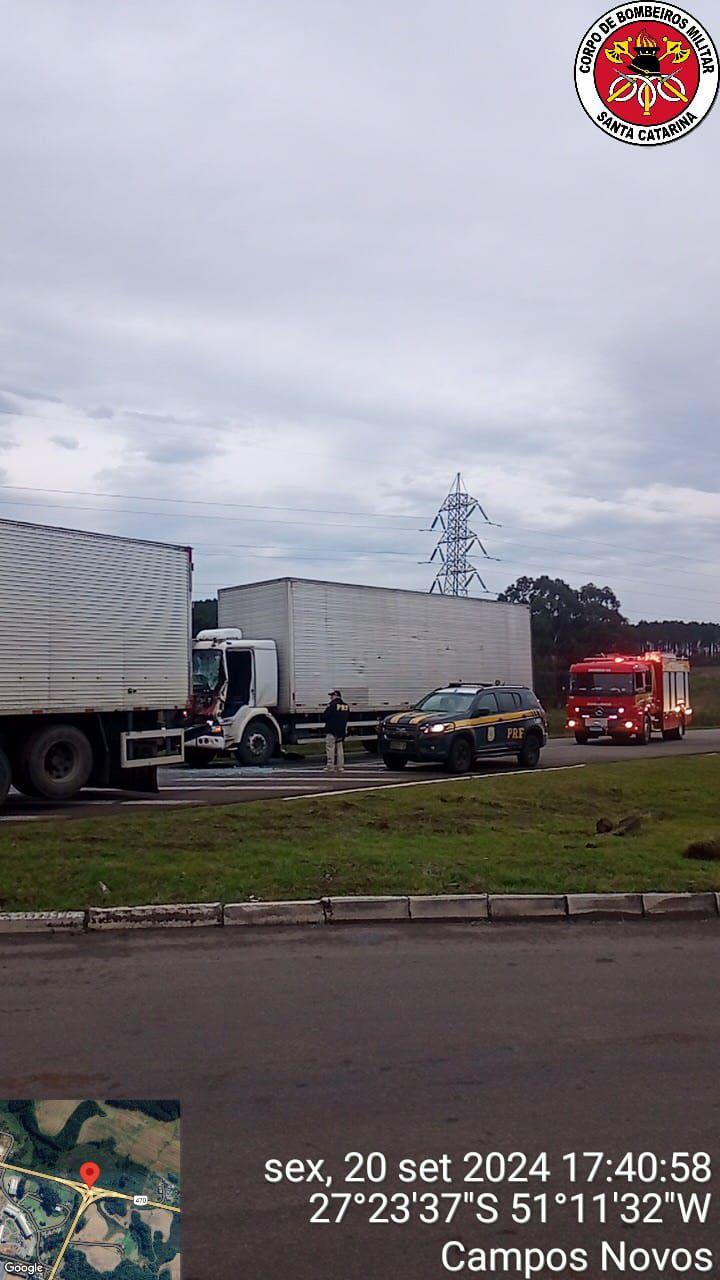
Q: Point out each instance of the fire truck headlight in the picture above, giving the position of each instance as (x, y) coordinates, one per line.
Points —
(571, 724)
(621, 711)
(628, 724)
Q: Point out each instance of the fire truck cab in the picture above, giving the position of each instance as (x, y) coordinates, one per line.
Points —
(628, 698)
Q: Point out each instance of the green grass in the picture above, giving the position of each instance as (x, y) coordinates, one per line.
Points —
(705, 696)
(516, 832)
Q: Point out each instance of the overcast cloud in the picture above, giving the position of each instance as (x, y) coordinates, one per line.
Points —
(325, 255)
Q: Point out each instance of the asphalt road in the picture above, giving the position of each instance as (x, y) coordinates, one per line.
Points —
(409, 1042)
(293, 778)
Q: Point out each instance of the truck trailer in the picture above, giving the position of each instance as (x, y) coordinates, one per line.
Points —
(629, 697)
(262, 678)
(95, 640)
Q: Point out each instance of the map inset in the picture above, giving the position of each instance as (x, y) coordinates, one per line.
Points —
(119, 1219)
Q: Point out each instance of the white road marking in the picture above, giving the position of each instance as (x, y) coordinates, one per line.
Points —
(126, 803)
(434, 782)
(25, 817)
(270, 785)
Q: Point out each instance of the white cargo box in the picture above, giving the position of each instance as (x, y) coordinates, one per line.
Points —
(382, 647)
(90, 622)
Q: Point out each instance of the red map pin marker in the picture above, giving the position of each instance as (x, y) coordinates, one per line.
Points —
(90, 1172)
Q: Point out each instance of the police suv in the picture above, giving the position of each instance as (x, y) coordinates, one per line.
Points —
(455, 725)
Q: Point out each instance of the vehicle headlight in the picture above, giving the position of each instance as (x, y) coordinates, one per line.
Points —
(438, 728)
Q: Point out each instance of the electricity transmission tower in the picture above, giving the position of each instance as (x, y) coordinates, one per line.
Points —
(456, 542)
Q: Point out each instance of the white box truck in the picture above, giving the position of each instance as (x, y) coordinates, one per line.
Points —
(95, 638)
(262, 678)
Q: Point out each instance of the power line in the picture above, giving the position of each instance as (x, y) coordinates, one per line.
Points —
(181, 515)
(207, 502)
(331, 525)
(375, 515)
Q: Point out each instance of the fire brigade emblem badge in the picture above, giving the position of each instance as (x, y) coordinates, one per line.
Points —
(647, 74)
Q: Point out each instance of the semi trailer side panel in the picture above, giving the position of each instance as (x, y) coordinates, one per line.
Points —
(91, 622)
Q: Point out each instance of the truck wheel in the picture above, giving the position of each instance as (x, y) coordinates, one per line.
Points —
(258, 744)
(581, 738)
(529, 756)
(460, 756)
(56, 762)
(394, 760)
(645, 734)
(674, 735)
(198, 759)
(5, 776)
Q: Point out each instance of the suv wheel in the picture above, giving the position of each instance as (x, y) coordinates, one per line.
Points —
(394, 760)
(529, 756)
(460, 756)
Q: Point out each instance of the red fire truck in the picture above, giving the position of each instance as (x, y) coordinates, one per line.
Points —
(629, 697)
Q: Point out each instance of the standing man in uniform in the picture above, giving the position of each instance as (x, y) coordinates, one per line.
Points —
(337, 714)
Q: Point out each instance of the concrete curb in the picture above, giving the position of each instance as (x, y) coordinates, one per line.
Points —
(259, 913)
(343, 910)
(42, 921)
(413, 908)
(449, 906)
(680, 904)
(531, 906)
(171, 916)
(605, 906)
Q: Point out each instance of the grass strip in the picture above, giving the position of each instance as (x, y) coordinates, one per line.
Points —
(511, 833)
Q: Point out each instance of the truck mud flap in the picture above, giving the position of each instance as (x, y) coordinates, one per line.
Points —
(149, 747)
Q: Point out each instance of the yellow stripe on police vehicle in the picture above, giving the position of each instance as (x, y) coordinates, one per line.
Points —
(456, 725)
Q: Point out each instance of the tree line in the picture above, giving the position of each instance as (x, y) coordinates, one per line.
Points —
(571, 623)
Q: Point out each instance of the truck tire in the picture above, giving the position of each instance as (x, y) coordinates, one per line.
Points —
(394, 760)
(581, 737)
(258, 743)
(529, 756)
(460, 756)
(5, 776)
(674, 735)
(55, 762)
(199, 759)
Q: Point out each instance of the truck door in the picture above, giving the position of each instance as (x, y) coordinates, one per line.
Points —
(240, 675)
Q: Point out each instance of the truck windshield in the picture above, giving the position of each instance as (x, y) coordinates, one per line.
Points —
(208, 670)
(447, 702)
(607, 683)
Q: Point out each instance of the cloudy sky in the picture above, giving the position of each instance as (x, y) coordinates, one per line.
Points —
(271, 273)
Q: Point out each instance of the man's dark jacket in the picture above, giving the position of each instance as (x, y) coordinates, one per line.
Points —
(336, 718)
